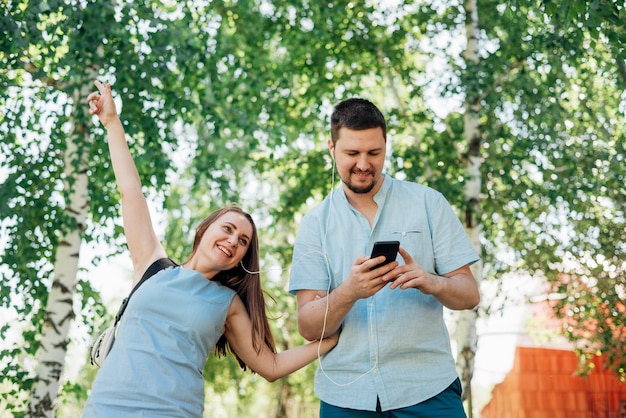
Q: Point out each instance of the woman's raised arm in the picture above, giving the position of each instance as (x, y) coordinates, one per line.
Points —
(143, 243)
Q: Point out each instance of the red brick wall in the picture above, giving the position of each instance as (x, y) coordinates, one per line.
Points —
(543, 384)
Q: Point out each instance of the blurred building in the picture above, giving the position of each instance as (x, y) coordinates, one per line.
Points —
(533, 371)
(544, 383)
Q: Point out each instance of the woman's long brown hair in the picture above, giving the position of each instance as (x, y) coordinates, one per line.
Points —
(247, 285)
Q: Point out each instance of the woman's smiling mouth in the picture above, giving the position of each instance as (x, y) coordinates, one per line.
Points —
(225, 250)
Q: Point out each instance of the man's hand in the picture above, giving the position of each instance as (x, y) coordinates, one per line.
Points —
(455, 290)
(362, 282)
(321, 312)
(413, 275)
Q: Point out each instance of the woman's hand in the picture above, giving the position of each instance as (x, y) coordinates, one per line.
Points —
(328, 343)
(102, 105)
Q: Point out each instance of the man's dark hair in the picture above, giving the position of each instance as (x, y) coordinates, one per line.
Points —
(356, 114)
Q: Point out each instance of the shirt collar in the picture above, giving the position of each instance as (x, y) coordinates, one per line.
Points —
(379, 197)
(381, 194)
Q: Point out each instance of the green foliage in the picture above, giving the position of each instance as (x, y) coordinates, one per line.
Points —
(240, 92)
(554, 164)
(50, 52)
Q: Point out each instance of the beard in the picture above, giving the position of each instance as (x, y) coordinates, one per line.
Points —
(361, 188)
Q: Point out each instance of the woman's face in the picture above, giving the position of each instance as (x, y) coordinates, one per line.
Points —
(226, 241)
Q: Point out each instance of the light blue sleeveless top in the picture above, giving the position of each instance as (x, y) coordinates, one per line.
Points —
(168, 330)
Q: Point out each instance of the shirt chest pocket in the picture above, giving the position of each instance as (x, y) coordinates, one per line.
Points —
(418, 242)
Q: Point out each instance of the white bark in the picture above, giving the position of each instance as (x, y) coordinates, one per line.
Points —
(465, 332)
(59, 308)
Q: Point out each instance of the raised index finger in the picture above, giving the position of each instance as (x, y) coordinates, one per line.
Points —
(103, 89)
(406, 256)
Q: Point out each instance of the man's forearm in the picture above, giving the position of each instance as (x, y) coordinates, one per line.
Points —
(459, 291)
(323, 316)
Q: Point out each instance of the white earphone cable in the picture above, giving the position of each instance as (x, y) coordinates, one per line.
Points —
(324, 255)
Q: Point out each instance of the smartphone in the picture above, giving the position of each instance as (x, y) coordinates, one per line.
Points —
(387, 248)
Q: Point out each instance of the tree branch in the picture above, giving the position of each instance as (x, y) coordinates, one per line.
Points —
(40, 75)
(403, 111)
(502, 78)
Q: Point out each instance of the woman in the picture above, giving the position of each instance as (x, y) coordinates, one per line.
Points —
(214, 299)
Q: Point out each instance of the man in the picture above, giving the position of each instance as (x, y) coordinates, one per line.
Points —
(394, 357)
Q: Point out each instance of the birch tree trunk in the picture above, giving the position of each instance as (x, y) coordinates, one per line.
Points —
(466, 324)
(59, 307)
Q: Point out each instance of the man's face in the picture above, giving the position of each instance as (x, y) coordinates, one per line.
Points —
(360, 157)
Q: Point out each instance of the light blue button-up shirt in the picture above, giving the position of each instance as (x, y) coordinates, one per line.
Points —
(394, 346)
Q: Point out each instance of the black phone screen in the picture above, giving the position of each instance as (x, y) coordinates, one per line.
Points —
(387, 248)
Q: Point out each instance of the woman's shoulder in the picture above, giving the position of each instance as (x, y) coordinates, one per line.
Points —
(236, 308)
(158, 265)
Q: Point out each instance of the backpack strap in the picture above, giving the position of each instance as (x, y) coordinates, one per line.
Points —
(154, 268)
